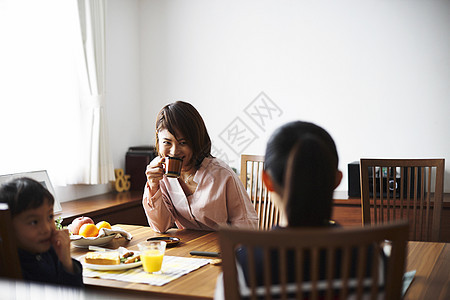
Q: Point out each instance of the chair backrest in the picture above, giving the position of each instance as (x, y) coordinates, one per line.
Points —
(329, 263)
(9, 257)
(251, 177)
(409, 189)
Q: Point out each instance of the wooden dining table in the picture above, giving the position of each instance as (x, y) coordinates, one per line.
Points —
(430, 260)
(199, 284)
(432, 264)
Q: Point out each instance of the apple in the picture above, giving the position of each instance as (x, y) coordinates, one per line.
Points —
(74, 227)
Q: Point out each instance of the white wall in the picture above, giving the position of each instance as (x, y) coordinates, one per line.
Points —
(374, 73)
(123, 77)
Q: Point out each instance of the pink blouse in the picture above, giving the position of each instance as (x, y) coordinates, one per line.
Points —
(220, 199)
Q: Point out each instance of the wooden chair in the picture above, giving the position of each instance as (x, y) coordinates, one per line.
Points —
(9, 257)
(251, 177)
(314, 263)
(409, 189)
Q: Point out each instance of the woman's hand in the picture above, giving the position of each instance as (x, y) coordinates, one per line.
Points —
(61, 244)
(154, 173)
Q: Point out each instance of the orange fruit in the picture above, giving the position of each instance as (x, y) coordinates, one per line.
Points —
(103, 224)
(88, 230)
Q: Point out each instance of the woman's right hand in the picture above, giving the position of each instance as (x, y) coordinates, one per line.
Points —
(154, 173)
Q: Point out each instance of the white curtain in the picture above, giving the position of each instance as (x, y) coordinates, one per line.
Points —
(97, 163)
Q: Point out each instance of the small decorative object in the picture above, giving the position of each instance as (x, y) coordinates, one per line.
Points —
(122, 182)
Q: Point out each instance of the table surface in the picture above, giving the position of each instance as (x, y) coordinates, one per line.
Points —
(432, 264)
(199, 284)
(430, 260)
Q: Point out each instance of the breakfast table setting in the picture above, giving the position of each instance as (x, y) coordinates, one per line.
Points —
(187, 252)
(191, 265)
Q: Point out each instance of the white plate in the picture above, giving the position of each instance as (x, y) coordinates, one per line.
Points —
(109, 267)
(82, 242)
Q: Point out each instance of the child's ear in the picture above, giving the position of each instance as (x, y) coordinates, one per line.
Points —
(267, 179)
(338, 179)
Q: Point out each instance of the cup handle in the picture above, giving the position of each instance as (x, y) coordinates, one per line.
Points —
(163, 163)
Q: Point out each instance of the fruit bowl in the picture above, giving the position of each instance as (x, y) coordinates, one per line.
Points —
(85, 242)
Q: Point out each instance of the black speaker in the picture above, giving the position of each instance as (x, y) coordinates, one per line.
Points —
(391, 185)
(136, 161)
(354, 187)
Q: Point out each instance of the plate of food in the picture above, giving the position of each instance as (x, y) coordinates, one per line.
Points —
(170, 240)
(119, 259)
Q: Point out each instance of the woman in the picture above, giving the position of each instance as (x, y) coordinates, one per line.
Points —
(207, 194)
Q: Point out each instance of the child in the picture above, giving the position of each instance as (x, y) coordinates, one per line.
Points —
(301, 172)
(44, 251)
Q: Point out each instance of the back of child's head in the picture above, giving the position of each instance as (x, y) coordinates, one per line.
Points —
(302, 160)
(24, 193)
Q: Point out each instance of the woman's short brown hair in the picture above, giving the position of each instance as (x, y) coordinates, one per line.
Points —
(182, 118)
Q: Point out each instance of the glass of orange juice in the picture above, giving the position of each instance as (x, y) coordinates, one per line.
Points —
(152, 254)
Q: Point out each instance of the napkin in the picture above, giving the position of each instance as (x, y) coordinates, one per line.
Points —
(115, 229)
(407, 279)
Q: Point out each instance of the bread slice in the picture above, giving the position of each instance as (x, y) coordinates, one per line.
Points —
(102, 258)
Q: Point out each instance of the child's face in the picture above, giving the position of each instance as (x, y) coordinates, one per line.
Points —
(34, 228)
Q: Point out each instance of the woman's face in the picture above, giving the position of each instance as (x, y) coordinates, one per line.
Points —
(170, 146)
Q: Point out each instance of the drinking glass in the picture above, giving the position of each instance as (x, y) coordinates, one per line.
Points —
(152, 254)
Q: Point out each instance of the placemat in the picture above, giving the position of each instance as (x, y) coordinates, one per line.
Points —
(173, 267)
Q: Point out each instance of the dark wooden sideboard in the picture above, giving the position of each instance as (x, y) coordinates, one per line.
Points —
(113, 207)
(126, 208)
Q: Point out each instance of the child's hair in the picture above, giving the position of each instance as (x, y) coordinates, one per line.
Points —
(302, 159)
(24, 193)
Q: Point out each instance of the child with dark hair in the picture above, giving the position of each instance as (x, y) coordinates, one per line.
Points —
(44, 251)
(301, 172)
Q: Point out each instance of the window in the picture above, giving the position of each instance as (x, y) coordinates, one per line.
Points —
(41, 115)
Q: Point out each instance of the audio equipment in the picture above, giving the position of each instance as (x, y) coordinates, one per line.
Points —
(136, 161)
(387, 179)
(354, 187)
